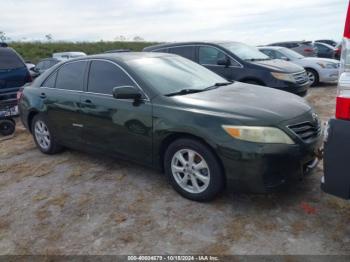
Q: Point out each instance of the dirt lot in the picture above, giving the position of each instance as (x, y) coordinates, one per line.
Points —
(75, 203)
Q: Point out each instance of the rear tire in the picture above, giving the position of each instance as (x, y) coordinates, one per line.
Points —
(313, 76)
(193, 170)
(43, 137)
(7, 127)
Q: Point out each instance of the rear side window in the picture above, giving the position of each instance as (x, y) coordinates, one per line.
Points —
(104, 76)
(71, 76)
(9, 59)
(50, 82)
(185, 51)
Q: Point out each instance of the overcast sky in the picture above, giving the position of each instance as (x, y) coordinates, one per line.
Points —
(254, 22)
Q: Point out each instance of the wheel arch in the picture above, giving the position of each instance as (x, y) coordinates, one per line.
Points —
(167, 141)
(30, 118)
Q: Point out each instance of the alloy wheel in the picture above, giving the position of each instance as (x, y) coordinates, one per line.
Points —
(311, 76)
(42, 135)
(190, 171)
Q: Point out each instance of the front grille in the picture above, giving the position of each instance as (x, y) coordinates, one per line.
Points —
(307, 131)
(301, 77)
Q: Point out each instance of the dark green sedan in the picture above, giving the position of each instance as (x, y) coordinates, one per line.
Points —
(165, 111)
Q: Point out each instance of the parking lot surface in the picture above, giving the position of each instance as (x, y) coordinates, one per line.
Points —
(78, 203)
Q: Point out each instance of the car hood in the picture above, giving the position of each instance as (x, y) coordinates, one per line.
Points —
(245, 103)
(279, 65)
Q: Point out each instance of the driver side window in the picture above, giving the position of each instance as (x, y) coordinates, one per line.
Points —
(104, 76)
(210, 55)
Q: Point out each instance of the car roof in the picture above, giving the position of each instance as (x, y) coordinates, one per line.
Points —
(123, 56)
(271, 47)
(292, 42)
(165, 45)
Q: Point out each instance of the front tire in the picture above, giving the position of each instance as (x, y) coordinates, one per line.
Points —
(193, 170)
(313, 76)
(43, 137)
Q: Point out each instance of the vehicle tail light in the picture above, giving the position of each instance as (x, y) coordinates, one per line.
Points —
(308, 49)
(28, 79)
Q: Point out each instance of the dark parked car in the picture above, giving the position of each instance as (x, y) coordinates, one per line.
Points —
(168, 112)
(328, 42)
(13, 74)
(325, 50)
(239, 62)
(44, 65)
(305, 48)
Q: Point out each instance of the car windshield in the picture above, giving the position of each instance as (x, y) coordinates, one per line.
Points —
(291, 54)
(171, 74)
(245, 52)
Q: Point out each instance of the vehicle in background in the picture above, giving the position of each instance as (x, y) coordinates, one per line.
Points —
(62, 56)
(336, 180)
(117, 51)
(305, 48)
(240, 62)
(30, 66)
(338, 49)
(328, 42)
(13, 74)
(325, 50)
(170, 113)
(43, 65)
(318, 69)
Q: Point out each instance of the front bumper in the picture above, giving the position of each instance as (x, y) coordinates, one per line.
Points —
(329, 75)
(298, 89)
(263, 168)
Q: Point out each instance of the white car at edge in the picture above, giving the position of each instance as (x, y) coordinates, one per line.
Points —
(318, 69)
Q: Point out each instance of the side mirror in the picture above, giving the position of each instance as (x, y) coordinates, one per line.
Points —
(127, 92)
(285, 58)
(224, 61)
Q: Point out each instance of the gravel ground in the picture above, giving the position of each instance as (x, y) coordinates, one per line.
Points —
(75, 203)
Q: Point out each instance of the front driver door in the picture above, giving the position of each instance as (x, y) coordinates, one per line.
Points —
(209, 56)
(120, 127)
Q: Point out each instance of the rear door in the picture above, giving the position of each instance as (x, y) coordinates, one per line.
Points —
(120, 127)
(61, 94)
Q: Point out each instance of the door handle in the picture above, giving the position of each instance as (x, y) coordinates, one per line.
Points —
(87, 101)
(43, 95)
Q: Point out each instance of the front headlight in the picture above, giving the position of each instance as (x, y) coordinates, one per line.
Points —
(283, 77)
(259, 134)
(328, 65)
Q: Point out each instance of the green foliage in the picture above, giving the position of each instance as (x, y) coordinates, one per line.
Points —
(35, 51)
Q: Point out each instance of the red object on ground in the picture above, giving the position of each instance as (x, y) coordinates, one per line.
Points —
(308, 209)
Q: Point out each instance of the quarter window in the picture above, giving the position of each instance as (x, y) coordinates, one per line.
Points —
(71, 76)
(209, 55)
(104, 76)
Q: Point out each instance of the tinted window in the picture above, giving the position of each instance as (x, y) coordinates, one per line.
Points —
(210, 55)
(71, 76)
(164, 50)
(9, 59)
(50, 82)
(185, 51)
(104, 76)
(322, 48)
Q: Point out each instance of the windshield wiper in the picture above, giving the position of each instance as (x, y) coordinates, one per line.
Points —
(185, 92)
(192, 91)
(257, 59)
